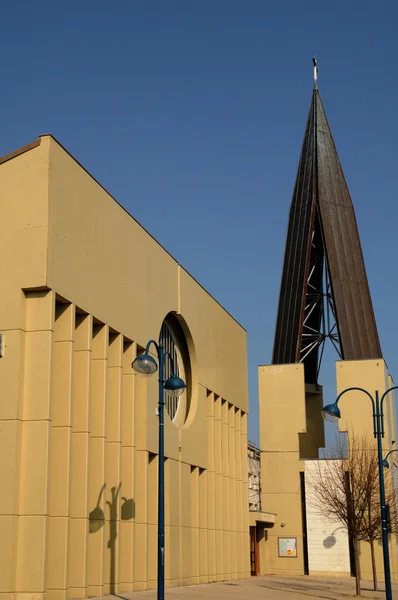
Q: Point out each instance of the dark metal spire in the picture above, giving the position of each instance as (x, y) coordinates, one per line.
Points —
(324, 290)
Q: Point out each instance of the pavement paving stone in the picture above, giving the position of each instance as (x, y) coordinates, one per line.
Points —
(268, 587)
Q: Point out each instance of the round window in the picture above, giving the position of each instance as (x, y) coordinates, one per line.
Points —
(173, 340)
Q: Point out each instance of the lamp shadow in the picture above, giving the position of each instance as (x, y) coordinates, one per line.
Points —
(96, 518)
(329, 542)
(97, 521)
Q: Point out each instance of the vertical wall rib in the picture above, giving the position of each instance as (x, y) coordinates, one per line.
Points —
(128, 452)
(113, 458)
(186, 539)
(61, 450)
(232, 491)
(202, 489)
(218, 487)
(211, 509)
(172, 523)
(35, 445)
(240, 508)
(195, 523)
(245, 497)
(97, 481)
(79, 505)
(145, 479)
(12, 367)
(152, 527)
(225, 490)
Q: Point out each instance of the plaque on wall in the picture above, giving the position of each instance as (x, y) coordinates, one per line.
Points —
(287, 547)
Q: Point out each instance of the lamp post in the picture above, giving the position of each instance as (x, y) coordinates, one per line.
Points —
(331, 413)
(145, 364)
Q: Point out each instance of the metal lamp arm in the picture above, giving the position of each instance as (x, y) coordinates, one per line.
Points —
(359, 389)
(156, 346)
(386, 393)
(391, 451)
(381, 405)
(382, 402)
(163, 358)
(161, 355)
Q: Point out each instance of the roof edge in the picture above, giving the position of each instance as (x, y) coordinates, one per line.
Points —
(37, 143)
(7, 157)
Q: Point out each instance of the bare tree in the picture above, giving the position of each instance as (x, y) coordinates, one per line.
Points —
(346, 489)
(372, 528)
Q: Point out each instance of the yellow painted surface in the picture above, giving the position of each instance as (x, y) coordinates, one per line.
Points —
(261, 517)
(282, 421)
(86, 288)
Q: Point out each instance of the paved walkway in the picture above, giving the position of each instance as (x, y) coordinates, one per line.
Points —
(268, 588)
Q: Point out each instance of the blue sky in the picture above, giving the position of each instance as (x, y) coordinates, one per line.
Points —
(193, 113)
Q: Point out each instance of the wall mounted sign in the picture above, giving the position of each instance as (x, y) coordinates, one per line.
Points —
(287, 547)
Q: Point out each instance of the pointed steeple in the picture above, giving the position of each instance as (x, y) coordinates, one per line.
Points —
(324, 289)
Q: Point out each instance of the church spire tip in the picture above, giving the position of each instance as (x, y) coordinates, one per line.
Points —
(315, 71)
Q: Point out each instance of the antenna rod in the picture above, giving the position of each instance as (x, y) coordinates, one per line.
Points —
(315, 70)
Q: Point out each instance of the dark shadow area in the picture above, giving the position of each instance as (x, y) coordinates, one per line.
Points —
(97, 517)
(314, 436)
(329, 542)
(97, 521)
(113, 535)
(127, 510)
(331, 539)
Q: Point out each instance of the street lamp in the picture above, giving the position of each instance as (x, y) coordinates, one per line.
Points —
(386, 464)
(145, 364)
(331, 413)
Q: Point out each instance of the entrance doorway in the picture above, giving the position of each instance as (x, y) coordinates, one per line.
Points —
(254, 552)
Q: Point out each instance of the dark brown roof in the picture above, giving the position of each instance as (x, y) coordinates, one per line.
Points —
(322, 224)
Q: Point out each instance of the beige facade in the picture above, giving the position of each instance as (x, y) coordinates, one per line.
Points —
(84, 288)
(282, 425)
(328, 542)
(291, 432)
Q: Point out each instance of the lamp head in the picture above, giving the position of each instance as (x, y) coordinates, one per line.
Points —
(331, 413)
(386, 464)
(174, 386)
(145, 364)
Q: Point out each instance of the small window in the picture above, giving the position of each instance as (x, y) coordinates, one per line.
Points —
(173, 340)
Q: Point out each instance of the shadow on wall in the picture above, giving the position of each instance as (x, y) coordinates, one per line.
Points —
(97, 521)
(331, 540)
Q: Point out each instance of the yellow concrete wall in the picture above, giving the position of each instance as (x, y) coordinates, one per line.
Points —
(107, 263)
(85, 288)
(282, 419)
